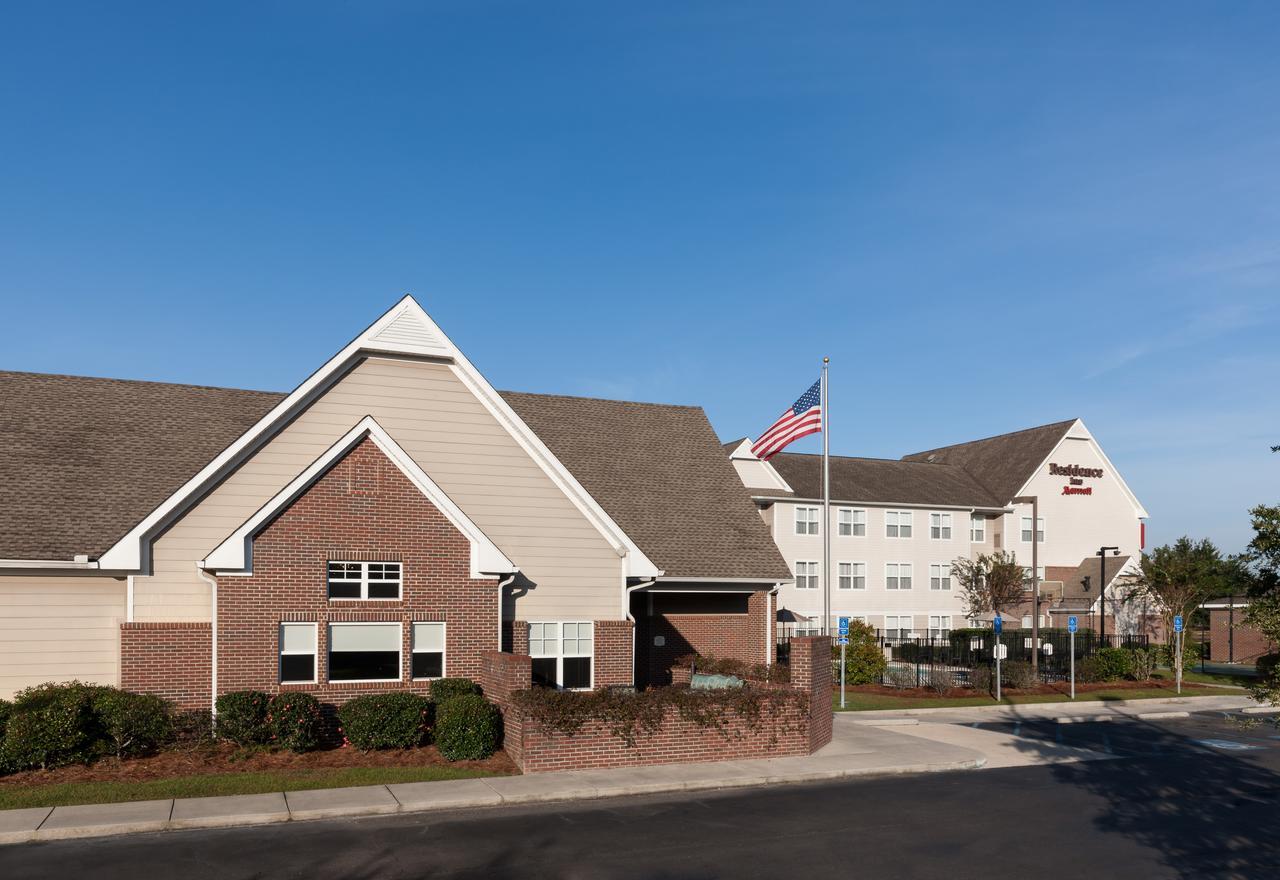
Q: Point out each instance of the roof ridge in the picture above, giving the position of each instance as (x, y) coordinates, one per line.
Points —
(994, 437)
(159, 382)
(869, 458)
(690, 406)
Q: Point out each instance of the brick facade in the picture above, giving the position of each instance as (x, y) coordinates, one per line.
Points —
(612, 647)
(743, 637)
(173, 660)
(363, 508)
(792, 725)
(1238, 643)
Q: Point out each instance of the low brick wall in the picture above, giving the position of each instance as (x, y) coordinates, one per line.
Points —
(172, 660)
(788, 726)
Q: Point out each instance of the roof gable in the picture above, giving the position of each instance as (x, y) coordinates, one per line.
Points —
(236, 552)
(1003, 464)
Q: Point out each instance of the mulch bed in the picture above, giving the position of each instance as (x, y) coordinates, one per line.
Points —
(1063, 688)
(227, 758)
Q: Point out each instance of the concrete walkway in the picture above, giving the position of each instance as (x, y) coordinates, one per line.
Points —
(996, 712)
(855, 750)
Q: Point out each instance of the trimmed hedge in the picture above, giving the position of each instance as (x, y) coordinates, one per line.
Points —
(132, 724)
(242, 717)
(293, 721)
(1107, 664)
(6, 709)
(392, 720)
(445, 689)
(468, 728)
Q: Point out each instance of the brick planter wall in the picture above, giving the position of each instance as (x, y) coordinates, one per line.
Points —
(363, 508)
(786, 727)
(172, 660)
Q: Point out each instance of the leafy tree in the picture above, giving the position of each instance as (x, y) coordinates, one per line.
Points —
(1263, 561)
(991, 582)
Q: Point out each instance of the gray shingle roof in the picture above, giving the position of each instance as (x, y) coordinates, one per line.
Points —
(83, 460)
(1003, 463)
(884, 481)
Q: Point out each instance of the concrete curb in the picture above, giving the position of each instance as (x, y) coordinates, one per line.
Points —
(45, 823)
(1016, 707)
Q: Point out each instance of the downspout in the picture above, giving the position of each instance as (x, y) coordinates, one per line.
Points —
(626, 607)
(768, 625)
(503, 583)
(213, 638)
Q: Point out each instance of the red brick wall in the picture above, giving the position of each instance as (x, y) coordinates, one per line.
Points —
(172, 660)
(1243, 645)
(737, 636)
(363, 508)
(798, 722)
(612, 649)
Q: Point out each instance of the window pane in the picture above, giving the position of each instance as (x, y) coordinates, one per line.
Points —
(428, 637)
(577, 672)
(544, 671)
(297, 667)
(428, 664)
(384, 589)
(298, 637)
(344, 590)
(358, 665)
(364, 637)
(905, 531)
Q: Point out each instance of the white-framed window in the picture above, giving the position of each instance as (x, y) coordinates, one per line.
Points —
(1027, 585)
(851, 522)
(897, 575)
(853, 575)
(1026, 622)
(426, 657)
(297, 653)
(897, 524)
(562, 653)
(940, 576)
(939, 626)
(940, 526)
(365, 651)
(977, 528)
(1026, 529)
(806, 575)
(379, 581)
(806, 520)
(897, 626)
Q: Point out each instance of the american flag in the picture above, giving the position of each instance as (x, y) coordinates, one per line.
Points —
(802, 418)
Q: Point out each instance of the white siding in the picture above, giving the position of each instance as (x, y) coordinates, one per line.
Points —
(59, 628)
(431, 414)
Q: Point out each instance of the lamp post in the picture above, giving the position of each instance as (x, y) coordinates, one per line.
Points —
(1102, 587)
(1034, 501)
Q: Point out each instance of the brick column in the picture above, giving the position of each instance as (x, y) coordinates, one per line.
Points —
(811, 671)
(612, 647)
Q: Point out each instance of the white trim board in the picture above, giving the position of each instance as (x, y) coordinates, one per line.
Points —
(404, 330)
(236, 552)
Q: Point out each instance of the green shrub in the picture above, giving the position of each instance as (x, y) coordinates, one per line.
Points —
(1018, 674)
(1107, 664)
(983, 679)
(1190, 654)
(242, 717)
(864, 661)
(901, 677)
(131, 724)
(6, 709)
(293, 721)
(446, 689)
(468, 728)
(1144, 663)
(51, 725)
(191, 728)
(394, 720)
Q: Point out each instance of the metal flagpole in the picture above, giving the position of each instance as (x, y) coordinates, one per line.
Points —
(826, 505)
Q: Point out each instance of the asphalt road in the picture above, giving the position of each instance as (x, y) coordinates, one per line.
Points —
(1190, 798)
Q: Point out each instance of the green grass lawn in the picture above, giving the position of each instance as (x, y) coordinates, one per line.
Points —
(861, 702)
(254, 782)
(1197, 677)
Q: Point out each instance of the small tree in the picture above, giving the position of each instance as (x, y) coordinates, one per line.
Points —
(1175, 579)
(1262, 563)
(990, 583)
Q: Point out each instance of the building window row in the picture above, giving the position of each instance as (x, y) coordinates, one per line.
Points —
(853, 576)
(361, 651)
(852, 522)
(902, 626)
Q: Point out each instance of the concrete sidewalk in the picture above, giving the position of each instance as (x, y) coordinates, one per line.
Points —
(855, 750)
(998, 712)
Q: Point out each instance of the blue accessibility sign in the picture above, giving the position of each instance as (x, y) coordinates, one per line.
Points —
(844, 627)
(997, 624)
(1177, 624)
(843, 640)
(1073, 624)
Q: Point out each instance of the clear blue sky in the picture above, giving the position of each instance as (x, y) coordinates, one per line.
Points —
(989, 217)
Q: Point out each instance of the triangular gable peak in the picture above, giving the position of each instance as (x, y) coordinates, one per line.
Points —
(405, 330)
(755, 472)
(235, 554)
(1079, 432)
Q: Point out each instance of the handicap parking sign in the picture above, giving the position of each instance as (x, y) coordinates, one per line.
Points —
(844, 627)
(997, 624)
(1072, 624)
(1177, 624)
